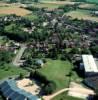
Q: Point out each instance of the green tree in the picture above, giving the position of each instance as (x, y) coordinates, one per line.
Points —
(36, 1)
(50, 88)
(21, 75)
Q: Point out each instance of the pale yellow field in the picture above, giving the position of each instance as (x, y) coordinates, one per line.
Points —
(14, 10)
(88, 6)
(82, 15)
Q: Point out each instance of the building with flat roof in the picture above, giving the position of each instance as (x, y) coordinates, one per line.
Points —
(89, 65)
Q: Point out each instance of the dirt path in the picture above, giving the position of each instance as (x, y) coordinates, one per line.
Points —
(55, 94)
(75, 89)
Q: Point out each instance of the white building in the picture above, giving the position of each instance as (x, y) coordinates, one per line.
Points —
(90, 67)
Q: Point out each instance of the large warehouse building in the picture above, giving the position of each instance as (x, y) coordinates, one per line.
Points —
(89, 65)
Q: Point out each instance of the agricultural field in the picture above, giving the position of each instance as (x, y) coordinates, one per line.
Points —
(58, 71)
(94, 1)
(14, 10)
(82, 14)
(88, 6)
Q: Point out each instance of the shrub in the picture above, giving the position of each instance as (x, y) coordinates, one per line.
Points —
(49, 88)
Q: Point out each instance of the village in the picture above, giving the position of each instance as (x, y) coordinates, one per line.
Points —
(49, 56)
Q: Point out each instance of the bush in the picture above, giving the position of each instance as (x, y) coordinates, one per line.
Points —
(31, 74)
(21, 76)
(49, 88)
(41, 78)
(44, 60)
(63, 57)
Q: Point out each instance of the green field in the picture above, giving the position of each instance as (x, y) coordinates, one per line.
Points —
(64, 96)
(10, 70)
(58, 71)
(31, 16)
(94, 1)
(82, 14)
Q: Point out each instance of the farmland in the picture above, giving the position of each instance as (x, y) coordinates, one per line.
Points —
(94, 1)
(82, 14)
(15, 10)
(12, 9)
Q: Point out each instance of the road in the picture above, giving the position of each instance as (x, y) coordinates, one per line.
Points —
(17, 60)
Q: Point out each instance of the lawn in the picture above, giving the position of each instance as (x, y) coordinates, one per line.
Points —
(64, 96)
(58, 71)
(82, 14)
(10, 70)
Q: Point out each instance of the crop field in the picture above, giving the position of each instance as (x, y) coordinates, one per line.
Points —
(94, 1)
(14, 10)
(82, 14)
(88, 6)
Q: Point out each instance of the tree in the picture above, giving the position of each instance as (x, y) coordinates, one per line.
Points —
(31, 74)
(13, 1)
(50, 88)
(75, 51)
(21, 76)
(36, 1)
(5, 56)
(94, 50)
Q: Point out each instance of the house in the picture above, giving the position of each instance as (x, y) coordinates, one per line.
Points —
(10, 91)
(89, 65)
(39, 62)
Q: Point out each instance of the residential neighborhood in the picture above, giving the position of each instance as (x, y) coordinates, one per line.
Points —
(46, 53)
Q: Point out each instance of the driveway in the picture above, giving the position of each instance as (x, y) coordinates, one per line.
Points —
(17, 60)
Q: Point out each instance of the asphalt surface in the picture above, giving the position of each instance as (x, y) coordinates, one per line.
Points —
(17, 59)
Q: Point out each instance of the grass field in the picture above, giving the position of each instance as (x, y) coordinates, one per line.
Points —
(88, 6)
(47, 5)
(58, 71)
(64, 96)
(95, 1)
(10, 70)
(82, 14)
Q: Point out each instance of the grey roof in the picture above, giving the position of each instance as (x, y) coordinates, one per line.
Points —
(10, 90)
